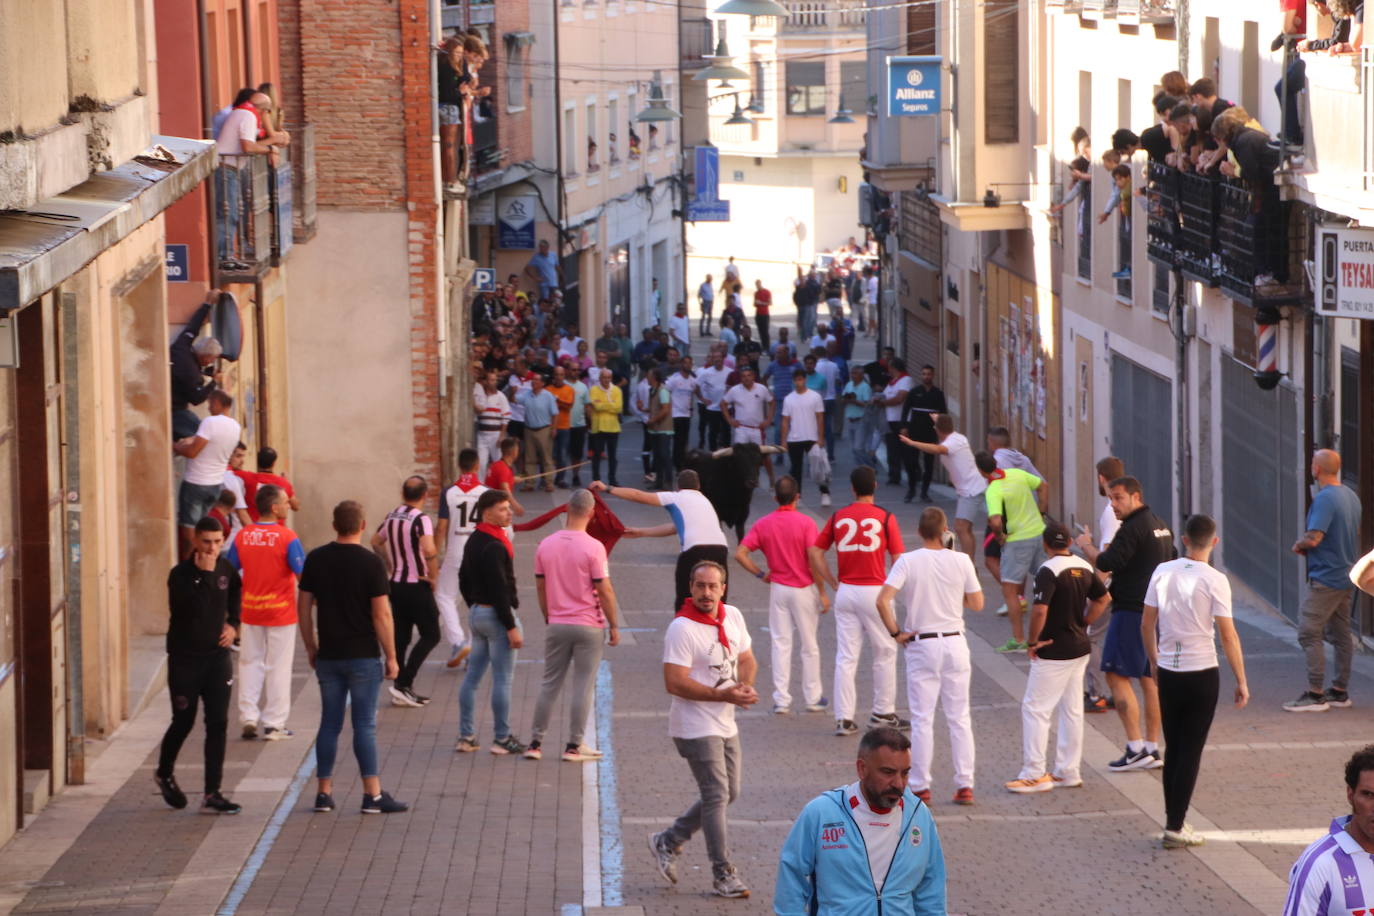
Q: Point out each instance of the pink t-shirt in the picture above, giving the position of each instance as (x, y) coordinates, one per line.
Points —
(783, 535)
(569, 562)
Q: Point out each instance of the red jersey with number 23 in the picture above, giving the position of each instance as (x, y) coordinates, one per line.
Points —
(861, 533)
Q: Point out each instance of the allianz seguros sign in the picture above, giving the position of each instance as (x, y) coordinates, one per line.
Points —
(913, 86)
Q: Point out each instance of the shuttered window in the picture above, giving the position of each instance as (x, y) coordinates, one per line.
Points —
(920, 28)
(1001, 71)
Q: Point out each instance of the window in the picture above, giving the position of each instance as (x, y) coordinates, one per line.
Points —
(633, 143)
(805, 87)
(613, 130)
(593, 146)
(1001, 71)
(1159, 294)
(853, 85)
(570, 140)
(920, 29)
(516, 57)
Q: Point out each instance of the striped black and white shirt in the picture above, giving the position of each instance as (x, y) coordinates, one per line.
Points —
(403, 528)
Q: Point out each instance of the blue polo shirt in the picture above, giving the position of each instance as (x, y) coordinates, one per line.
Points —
(1336, 513)
(540, 409)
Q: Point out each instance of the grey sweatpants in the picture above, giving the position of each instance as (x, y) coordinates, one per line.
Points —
(1326, 613)
(568, 646)
(715, 764)
(1094, 684)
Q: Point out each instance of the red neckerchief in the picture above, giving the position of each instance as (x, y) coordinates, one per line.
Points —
(499, 534)
(466, 482)
(854, 803)
(257, 116)
(998, 474)
(689, 610)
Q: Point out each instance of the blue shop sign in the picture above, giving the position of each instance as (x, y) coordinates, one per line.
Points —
(913, 86)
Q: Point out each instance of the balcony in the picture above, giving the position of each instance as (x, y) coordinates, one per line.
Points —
(1098, 9)
(302, 153)
(825, 16)
(485, 153)
(1149, 12)
(1208, 229)
(244, 221)
(1339, 126)
(696, 43)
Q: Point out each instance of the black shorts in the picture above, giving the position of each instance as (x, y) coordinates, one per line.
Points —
(992, 548)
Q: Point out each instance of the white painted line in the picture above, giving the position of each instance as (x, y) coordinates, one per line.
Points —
(608, 792)
(1301, 836)
(591, 830)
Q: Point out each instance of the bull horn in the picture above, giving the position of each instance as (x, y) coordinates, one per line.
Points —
(723, 452)
(772, 449)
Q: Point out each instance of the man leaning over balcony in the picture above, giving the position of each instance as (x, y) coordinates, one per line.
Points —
(236, 141)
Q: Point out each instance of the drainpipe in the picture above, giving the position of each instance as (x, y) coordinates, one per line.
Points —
(207, 115)
(1185, 443)
(71, 485)
(558, 130)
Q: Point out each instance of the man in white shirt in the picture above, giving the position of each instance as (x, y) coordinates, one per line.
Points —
(803, 426)
(893, 398)
(1186, 605)
(236, 141)
(208, 453)
(493, 414)
(711, 378)
(568, 346)
(680, 329)
(682, 388)
(234, 484)
(708, 669)
(748, 408)
(935, 584)
(457, 521)
(1095, 691)
(957, 456)
(706, 295)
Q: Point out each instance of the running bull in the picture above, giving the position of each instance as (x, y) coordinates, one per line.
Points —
(728, 478)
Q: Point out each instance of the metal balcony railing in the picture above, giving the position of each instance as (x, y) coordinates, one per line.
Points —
(1154, 12)
(243, 218)
(825, 15)
(695, 42)
(302, 153)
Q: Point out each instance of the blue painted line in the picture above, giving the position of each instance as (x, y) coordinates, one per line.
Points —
(612, 845)
(244, 881)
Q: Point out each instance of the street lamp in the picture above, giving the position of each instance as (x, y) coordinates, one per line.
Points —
(739, 117)
(721, 68)
(842, 114)
(752, 8)
(656, 107)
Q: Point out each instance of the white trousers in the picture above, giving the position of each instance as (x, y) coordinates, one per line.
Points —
(747, 434)
(938, 669)
(488, 450)
(1053, 684)
(265, 658)
(856, 616)
(794, 610)
(446, 595)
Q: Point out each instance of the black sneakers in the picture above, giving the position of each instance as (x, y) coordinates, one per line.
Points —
(171, 792)
(324, 802)
(218, 804)
(383, 804)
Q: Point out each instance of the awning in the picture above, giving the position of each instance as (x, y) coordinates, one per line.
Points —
(518, 39)
(44, 245)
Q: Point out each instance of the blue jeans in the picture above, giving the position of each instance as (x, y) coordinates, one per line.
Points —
(228, 211)
(490, 646)
(560, 454)
(341, 679)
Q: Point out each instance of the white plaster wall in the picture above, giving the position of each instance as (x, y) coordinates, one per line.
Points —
(350, 378)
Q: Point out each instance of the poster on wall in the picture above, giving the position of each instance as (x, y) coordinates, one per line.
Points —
(1083, 391)
(1040, 397)
(515, 222)
(1025, 381)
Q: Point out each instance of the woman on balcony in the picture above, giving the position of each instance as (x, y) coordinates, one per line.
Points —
(1252, 160)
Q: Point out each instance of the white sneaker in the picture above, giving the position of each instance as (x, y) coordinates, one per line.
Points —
(1178, 839)
(401, 698)
(1002, 611)
(825, 499)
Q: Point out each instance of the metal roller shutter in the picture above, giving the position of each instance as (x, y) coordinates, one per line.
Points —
(1143, 431)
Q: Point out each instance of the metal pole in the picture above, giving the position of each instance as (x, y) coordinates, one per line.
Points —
(71, 486)
(1185, 444)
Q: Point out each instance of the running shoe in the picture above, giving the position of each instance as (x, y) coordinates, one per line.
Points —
(533, 752)
(171, 792)
(324, 802)
(1042, 783)
(728, 883)
(507, 745)
(1064, 782)
(822, 706)
(665, 857)
(418, 698)
(846, 727)
(401, 697)
(888, 720)
(1011, 645)
(964, 796)
(460, 654)
(1001, 611)
(467, 744)
(781, 710)
(382, 804)
(1156, 761)
(1339, 699)
(217, 804)
(277, 734)
(1094, 704)
(1132, 760)
(825, 499)
(1179, 839)
(250, 731)
(577, 753)
(1308, 701)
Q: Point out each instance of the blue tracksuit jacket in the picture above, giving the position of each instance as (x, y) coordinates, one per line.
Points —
(824, 865)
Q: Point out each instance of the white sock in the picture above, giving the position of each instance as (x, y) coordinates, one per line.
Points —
(1135, 747)
(1152, 747)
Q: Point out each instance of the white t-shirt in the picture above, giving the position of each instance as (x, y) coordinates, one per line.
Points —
(958, 462)
(517, 410)
(683, 389)
(694, 517)
(800, 411)
(678, 327)
(221, 434)
(748, 404)
(931, 585)
(234, 484)
(459, 507)
(818, 342)
(901, 386)
(568, 346)
(1107, 526)
(711, 384)
(1188, 595)
(831, 373)
(240, 125)
(641, 397)
(880, 832)
(696, 647)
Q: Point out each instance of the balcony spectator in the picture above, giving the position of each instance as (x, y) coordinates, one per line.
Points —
(592, 164)
(192, 357)
(1174, 83)
(449, 91)
(611, 156)
(1186, 138)
(268, 131)
(1125, 142)
(1111, 159)
(244, 95)
(1122, 176)
(1347, 16)
(236, 141)
(1252, 160)
(1155, 139)
(634, 145)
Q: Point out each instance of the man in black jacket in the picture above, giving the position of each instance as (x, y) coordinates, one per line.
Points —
(203, 591)
(1141, 543)
(923, 402)
(190, 360)
(486, 579)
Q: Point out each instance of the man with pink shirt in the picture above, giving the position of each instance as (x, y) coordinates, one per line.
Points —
(795, 599)
(573, 577)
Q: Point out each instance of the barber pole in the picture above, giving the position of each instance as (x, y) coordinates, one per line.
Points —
(1267, 372)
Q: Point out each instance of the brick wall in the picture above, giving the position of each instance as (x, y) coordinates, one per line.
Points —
(289, 57)
(514, 131)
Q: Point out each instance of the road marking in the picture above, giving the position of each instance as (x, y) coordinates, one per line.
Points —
(1287, 745)
(612, 845)
(591, 835)
(1301, 836)
(244, 881)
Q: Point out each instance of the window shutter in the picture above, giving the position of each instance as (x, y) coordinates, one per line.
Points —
(1001, 71)
(920, 27)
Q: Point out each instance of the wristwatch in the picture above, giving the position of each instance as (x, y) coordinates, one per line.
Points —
(894, 633)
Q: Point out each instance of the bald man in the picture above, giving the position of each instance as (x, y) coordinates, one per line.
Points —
(1333, 526)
